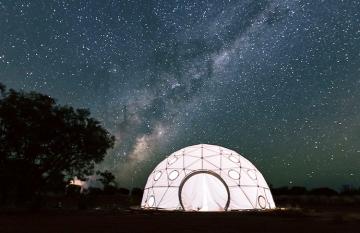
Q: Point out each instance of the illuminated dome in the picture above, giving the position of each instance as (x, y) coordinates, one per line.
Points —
(206, 178)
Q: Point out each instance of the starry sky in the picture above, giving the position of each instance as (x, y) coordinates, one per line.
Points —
(276, 80)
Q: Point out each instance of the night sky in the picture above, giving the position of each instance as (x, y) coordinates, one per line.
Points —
(276, 80)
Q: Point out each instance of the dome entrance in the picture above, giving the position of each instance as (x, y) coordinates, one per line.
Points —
(204, 191)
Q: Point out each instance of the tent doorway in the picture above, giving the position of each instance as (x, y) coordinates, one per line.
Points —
(204, 191)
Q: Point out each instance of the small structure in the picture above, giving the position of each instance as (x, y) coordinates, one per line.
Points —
(206, 178)
(90, 182)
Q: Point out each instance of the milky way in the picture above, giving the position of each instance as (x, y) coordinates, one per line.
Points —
(277, 81)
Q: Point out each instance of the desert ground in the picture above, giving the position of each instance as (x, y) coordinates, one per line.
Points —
(332, 216)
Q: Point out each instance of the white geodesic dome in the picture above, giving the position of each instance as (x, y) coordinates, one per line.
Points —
(206, 178)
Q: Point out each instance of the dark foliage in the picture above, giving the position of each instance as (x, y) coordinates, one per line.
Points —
(42, 142)
(106, 177)
(73, 190)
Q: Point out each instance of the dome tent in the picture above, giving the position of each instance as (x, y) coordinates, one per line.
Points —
(206, 178)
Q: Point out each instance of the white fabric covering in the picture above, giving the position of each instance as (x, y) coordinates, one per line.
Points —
(204, 192)
(206, 178)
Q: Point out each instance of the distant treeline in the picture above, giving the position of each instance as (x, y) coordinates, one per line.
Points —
(325, 191)
(73, 190)
(289, 191)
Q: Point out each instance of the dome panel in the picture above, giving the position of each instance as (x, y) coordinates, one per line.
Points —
(269, 198)
(208, 165)
(209, 150)
(234, 174)
(193, 152)
(246, 180)
(215, 160)
(151, 201)
(251, 173)
(226, 151)
(193, 164)
(260, 179)
(145, 196)
(173, 175)
(241, 202)
(162, 181)
(175, 162)
(244, 163)
(262, 199)
(172, 159)
(234, 158)
(226, 163)
(161, 166)
(176, 181)
(252, 195)
(170, 200)
(159, 193)
(157, 175)
(231, 176)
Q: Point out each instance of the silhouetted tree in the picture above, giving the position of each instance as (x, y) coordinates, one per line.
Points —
(41, 142)
(108, 180)
(2, 88)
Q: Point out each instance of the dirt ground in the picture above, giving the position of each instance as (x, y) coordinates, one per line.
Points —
(108, 221)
